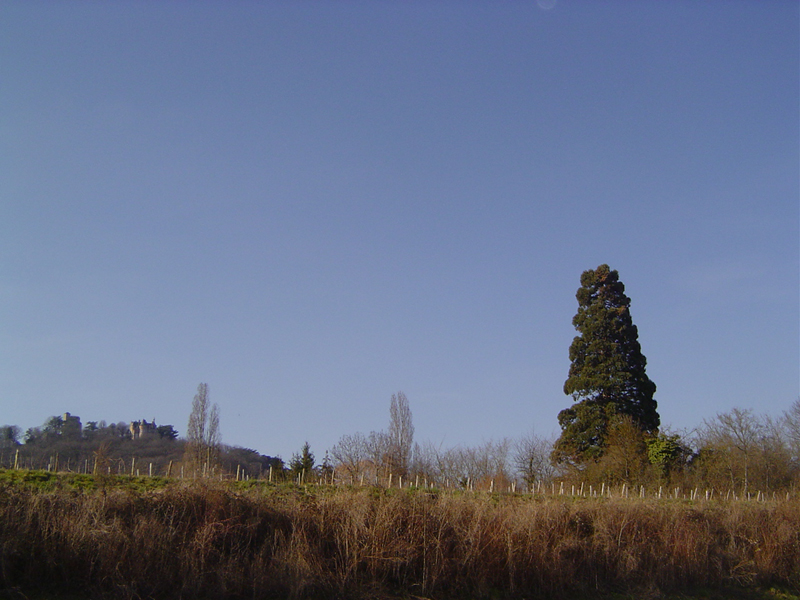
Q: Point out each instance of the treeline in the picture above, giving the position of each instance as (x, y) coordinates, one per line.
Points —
(736, 453)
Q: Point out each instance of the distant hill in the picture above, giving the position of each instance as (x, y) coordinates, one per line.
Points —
(64, 443)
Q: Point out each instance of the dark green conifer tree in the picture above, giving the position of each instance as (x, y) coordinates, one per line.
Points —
(303, 463)
(607, 376)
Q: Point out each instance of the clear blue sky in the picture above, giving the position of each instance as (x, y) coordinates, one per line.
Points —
(313, 205)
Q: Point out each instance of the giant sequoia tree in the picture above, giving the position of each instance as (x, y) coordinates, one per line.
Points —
(607, 376)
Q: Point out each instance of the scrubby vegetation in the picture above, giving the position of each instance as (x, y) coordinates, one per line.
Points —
(122, 538)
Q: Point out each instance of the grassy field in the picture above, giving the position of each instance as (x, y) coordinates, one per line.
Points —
(121, 537)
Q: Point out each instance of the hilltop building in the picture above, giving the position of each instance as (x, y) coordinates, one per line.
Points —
(140, 429)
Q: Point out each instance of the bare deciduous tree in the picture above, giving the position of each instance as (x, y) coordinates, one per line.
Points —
(775, 463)
(350, 456)
(378, 452)
(381, 454)
(469, 466)
(203, 434)
(400, 436)
(532, 459)
(733, 437)
(791, 422)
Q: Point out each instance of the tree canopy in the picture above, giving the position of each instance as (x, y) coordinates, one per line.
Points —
(607, 377)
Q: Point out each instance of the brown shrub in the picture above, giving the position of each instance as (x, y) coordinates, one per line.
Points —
(206, 540)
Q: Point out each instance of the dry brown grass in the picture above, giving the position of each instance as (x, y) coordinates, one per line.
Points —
(202, 540)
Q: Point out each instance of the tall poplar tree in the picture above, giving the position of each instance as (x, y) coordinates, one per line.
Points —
(202, 432)
(401, 435)
(607, 376)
